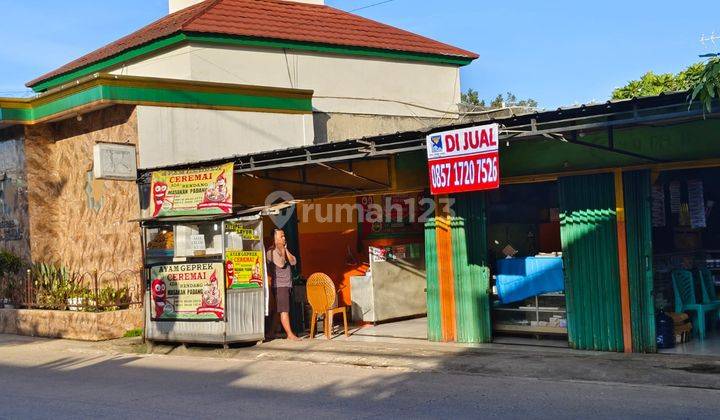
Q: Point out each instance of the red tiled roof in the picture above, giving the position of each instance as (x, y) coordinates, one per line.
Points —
(272, 19)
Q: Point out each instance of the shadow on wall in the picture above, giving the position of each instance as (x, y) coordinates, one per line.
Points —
(320, 126)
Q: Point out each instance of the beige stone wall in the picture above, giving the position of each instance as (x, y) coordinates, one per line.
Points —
(88, 326)
(75, 220)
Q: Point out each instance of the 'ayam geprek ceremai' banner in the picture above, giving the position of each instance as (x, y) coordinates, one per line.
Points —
(192, 192)
(464, 160)
(187, 292)
(244, 268)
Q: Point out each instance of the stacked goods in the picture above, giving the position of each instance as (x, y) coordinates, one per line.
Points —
(682, 327)
(163, 240)
(162, 245)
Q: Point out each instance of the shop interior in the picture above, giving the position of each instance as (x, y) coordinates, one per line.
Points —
(525, 258)
(377, 264)
(686, 260)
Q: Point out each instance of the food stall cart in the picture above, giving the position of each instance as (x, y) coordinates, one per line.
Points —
(204, 265)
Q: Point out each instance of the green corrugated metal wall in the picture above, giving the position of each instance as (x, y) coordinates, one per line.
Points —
(433, 283)
(590, 254)
(472, 277)
(471, 207)
(639, 245)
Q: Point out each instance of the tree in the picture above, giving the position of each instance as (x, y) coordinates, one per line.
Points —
(706, 86)
(651, 84)
(472, 98)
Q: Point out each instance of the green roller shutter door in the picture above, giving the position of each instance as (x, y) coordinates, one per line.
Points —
(638, 224)
(590, 256)
(472, 276)
(433, 283)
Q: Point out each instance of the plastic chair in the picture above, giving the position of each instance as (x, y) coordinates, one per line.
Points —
(685, 301)
(709, 293)
(323, 299)
(707, 285)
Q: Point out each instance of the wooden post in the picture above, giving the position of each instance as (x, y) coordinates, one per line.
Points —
(445, 273)
(623, 262)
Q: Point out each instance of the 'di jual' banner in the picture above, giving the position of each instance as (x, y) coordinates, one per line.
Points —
(192, 192)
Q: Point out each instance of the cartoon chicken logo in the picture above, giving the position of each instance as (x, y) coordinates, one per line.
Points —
(211, 298)
(159, 296)
(217, 195)
(230, 273)
(256, 276)
(160, 197)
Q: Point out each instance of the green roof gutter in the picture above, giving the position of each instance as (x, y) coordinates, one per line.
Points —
(227, 40)
(103, 90)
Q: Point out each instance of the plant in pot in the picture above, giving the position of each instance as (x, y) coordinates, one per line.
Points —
(10, 267)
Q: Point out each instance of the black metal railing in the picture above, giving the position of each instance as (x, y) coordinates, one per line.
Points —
(58, 289)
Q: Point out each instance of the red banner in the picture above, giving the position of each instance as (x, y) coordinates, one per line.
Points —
(464, 160)
(464, 173)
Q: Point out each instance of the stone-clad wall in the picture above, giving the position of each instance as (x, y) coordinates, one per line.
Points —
(89, 326)
(74, 220)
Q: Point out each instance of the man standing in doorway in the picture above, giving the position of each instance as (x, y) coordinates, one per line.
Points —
(280, 263)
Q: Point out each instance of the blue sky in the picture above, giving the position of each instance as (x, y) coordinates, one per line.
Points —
(558, 52)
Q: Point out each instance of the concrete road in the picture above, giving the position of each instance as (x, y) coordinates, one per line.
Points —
(40, 379)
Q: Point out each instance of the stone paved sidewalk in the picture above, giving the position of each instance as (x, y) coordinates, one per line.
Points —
(494, 360)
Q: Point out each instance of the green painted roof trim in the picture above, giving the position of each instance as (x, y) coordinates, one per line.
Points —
(326, 48)
(150, 96)
(109, 62)
(245, 42)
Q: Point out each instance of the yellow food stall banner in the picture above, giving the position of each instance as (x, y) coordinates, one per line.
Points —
(244, 268)
(187, 292)
(247, 232)
(192, 192)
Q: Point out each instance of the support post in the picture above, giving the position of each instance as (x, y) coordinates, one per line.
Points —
(623, 261)
(445, 273)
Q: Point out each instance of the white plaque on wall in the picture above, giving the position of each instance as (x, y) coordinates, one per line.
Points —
(114, 161)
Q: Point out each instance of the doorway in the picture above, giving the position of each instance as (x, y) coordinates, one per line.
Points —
(525, 259)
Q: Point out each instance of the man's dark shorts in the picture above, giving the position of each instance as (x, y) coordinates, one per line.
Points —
(282, 299)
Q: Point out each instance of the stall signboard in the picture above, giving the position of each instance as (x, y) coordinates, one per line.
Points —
(203, 191)
(464, 160)
(187, 292)
(244, 255)
(244, 268)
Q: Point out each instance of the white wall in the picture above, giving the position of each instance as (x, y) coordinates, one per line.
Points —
(170, 136)
(175, 5)
(342, 84)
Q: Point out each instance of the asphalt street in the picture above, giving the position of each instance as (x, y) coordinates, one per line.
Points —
(39, 381)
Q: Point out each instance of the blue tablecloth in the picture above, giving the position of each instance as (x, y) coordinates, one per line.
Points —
(521, 278)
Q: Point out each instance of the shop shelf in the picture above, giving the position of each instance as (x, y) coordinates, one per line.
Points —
(503, 327)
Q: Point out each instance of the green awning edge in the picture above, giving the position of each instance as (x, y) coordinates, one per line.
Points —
(109, 89)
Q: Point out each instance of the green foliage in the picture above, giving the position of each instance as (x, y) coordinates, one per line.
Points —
(135, 332)
(58, 288)
(110, 299)
(707, 86)
(10, 282)
(651, 84)
(511, 100)
(9, 263)
(471, 98)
